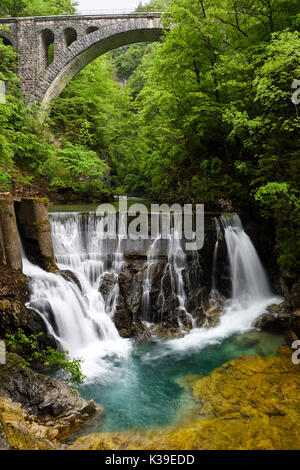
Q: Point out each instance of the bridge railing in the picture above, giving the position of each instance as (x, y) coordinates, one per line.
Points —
(87, 13)
(117, 12)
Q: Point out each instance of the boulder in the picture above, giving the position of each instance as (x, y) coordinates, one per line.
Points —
(141, 331)
(52, 403)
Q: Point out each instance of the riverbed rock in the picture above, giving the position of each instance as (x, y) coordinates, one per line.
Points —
(50, 402)
(250, 403)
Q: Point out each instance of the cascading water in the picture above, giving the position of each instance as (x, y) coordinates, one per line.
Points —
(74, 309)
(79, 319)
(175, 266)
(151, 261)
(251, 293)
(137, 382)
(218, 229)
(249, 281)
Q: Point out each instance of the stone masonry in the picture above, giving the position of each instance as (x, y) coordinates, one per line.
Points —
(77, 41)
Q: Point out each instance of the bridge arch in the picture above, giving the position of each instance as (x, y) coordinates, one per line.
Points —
(86, 49)
(46, 42)
(70, 36)
(92, 29)
(7, 40)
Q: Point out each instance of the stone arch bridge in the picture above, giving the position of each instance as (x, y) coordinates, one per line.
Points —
(53, 49)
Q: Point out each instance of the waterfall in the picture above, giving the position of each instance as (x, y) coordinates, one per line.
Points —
(175, 266)
(74, 309)
(152, 259)
(251, 293)
(218, 229)
(249, 280)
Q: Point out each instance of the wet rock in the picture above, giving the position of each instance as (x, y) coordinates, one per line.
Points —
(135, 255)
(53, 403)
(131, 283)
(70, 276)
(200, 317)
(107, 285)
(4, 445)
(293, 298)
(140, 331)
(14, 294)
(185, 320)
(266, 321)
(273, 309)
(123, 319)
(281, 320)
(21, 431)
(164, 331)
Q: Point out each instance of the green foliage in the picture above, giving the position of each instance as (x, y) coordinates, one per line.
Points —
(28, 346)
(206, 114)
(214, 111)
(37, 7)
(72, 167)
(12, 8)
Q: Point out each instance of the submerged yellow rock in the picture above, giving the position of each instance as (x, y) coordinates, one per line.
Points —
(251, 402)
(22, 431)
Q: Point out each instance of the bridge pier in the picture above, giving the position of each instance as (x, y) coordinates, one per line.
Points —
(26, 219)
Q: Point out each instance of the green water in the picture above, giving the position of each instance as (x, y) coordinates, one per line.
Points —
(146, 390)
(89, 207)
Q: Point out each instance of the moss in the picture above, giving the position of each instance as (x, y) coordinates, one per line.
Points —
(41, 224)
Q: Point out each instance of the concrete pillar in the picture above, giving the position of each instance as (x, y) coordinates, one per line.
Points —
(34, 226)
(10, 240)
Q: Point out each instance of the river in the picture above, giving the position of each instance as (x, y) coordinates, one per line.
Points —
(141, 384)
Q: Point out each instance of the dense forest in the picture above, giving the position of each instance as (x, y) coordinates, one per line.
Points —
(207, 114)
